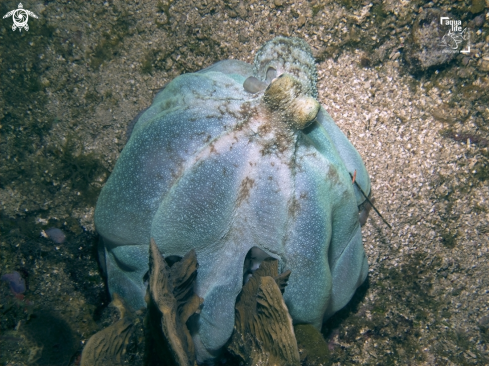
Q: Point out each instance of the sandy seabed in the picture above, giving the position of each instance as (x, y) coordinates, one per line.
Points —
(72, 83)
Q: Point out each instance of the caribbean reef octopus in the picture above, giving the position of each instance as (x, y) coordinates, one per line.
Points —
(239, 162)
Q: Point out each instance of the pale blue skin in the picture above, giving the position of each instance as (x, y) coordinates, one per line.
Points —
(180, 180)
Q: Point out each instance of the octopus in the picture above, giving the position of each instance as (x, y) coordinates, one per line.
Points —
(239, 162)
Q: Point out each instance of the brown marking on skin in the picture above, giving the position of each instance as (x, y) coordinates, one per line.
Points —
(244, 190)
(332, 176)
(264, 129)
(292, 164)
(345, 195)
(267, 148)
(245, 114)
(177, 173)
(293, 207)
(280, 143)
(303, 195)
(247, 110)
(222, 108)
(235, 142)
(167, 104)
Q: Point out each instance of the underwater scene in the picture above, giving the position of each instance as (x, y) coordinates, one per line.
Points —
(262, 182)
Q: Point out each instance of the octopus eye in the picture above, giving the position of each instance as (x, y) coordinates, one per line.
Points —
(284, 96)
(253, 85)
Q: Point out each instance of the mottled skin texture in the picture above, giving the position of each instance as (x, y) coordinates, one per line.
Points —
(212, 167)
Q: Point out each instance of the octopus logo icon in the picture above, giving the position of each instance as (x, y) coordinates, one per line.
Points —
(20, 17)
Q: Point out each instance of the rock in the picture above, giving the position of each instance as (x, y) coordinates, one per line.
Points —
(55, 234)
(263, 331)
(484, 64)
(169, 64)
(423, 48)
(479, 20)
(15, 282)
(443, 114)
(484, 321)
(241, 10)
(477, 6)
(243, 37)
